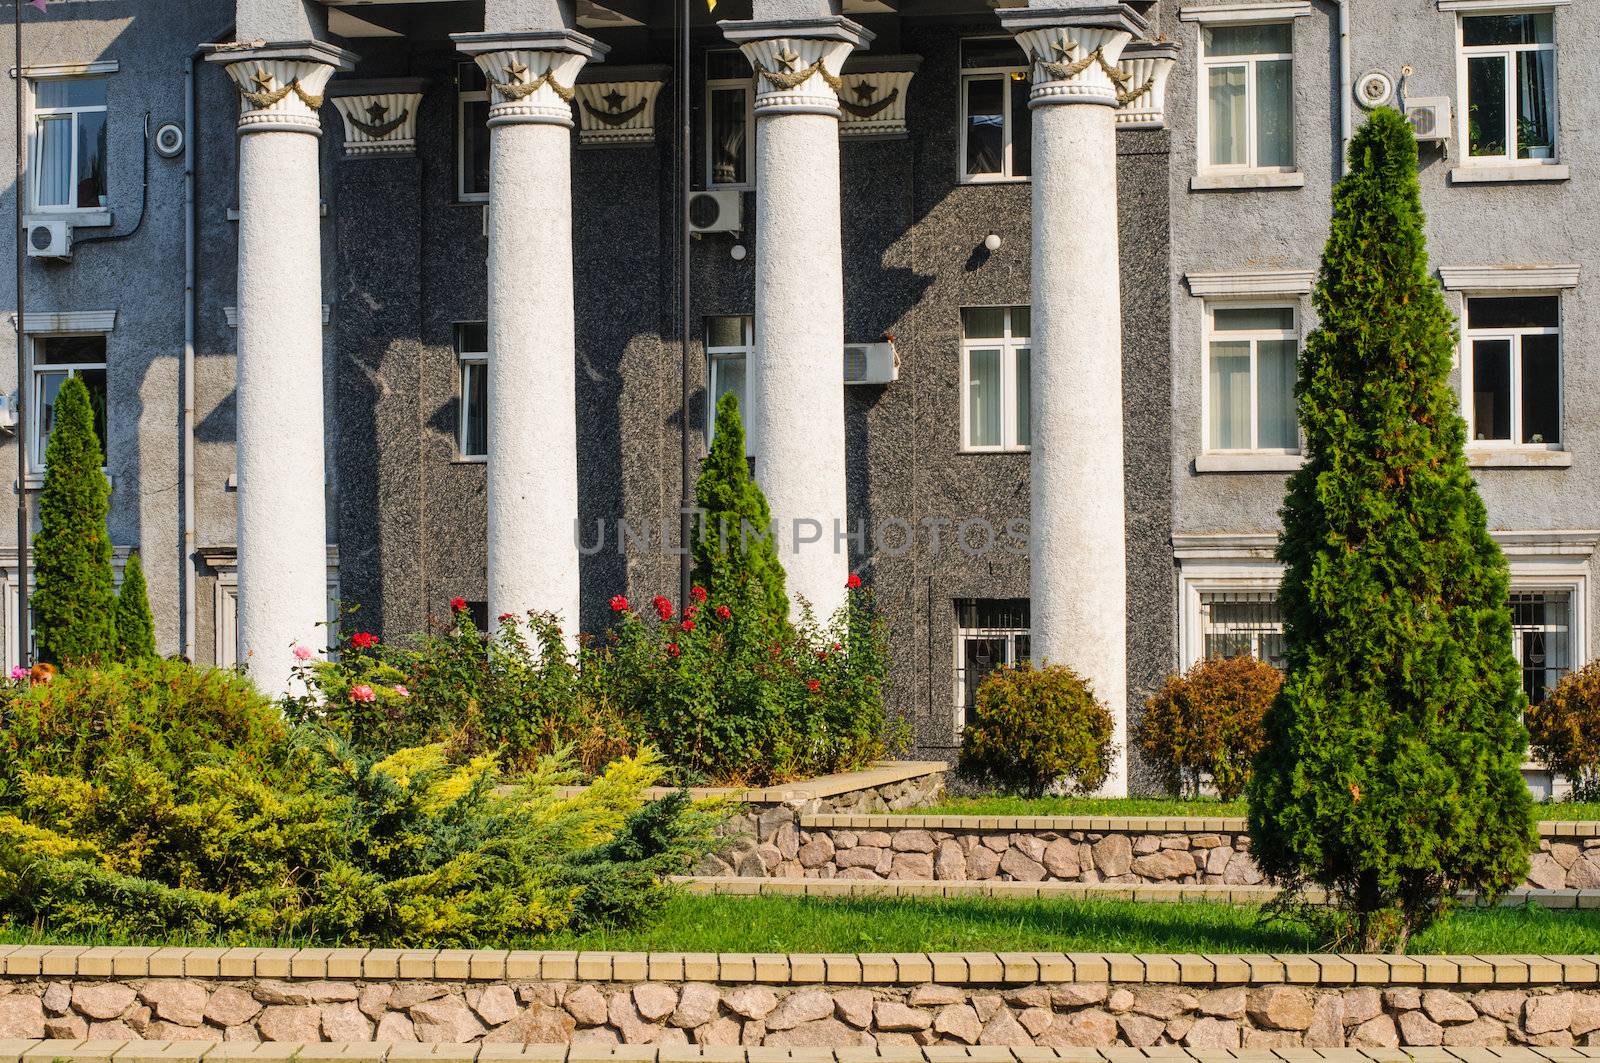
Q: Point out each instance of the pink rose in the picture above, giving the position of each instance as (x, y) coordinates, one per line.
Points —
(19, 672)
(302, 653)
(362, 692)
(401, 691)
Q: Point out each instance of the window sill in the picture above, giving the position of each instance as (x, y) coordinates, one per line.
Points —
(1247, 461)
(78, 219)
(467, 459)
(997, 179)
(35, 481)
(1508, 173)
(1518, 458)
(991, 451)
(1257, 179)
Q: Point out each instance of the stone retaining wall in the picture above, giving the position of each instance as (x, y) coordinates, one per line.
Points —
(1024, 999)
(1090, 850)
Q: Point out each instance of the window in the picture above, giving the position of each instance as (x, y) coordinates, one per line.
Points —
(730, 101)
(996, 127)
(1247, 115)
(55, 358)
(1241, 624)
(1507, 74)
(730, 342)
(990, 634)
(69, 144)
(472, 420)
(1541, 630)
(1251, 358)
(472, 134)
(995, 357)
(1514, 372)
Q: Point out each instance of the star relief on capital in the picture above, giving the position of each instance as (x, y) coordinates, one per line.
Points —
(377, 113)
(518, 72)
(787, 59)
(262, 79)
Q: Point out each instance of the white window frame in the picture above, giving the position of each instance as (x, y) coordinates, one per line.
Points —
(1234, 565)
(465, 96)
(1005, 75)
(1010, 345)
(1465, 359)
(1463, 54)
(718, 355)
(33, 403)
(1203, 99)
(464, 359)
(225, 604)
(1209, 334)
(86, 71)
(748, 87)
(964, 635)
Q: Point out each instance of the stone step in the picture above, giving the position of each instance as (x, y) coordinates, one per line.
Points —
(1165, 893)
(69, 1051)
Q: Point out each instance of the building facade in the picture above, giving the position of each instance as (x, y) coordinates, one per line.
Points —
(381, 303)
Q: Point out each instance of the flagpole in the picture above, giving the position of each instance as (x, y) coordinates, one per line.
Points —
(686, 379)
(24, 525)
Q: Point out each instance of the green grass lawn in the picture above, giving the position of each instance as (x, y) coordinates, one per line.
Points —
(1157, 806)
(802, 924)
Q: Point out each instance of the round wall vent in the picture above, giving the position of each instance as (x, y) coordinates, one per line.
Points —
(1374, 89)
(169, 140)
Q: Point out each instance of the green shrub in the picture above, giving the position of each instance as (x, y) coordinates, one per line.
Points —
(136, 630)
(1032, 728)
(190, 807)
(73, 600)
(733, 546)
(1565, 729)
(1206, 724)
(1391, 771)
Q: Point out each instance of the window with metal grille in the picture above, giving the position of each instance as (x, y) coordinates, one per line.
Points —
(1242, 624)
(990, 633)
(1541, 630)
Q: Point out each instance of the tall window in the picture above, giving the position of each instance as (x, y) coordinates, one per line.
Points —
(1508, 77)
(472, 353)
(730, 100)
(996, 128)
(472, 134)
(55, 358)
(730, 341)
(1247, 118)
(995, 363)
(69, 144)
(1251, 354)
(990, 634)
(1242, 624)
(1515, 344)
(1541, 629)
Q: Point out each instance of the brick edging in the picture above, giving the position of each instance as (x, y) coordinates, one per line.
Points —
(1548, 828)
(817, 788)
(951, 968)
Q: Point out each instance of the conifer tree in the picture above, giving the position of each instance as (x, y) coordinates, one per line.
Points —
(73, 600)
(734, 553)
(1390, 773)
(135, 629)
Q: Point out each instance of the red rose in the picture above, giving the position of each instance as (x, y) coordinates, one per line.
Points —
(853, 582)
(697, 592)
(837, 647)
(688, 625)
(458, 604)
(363, 640)
(507, 617)
(672, 649)
(663, 608)
(723, 612)
(689, 611)
(813, 685)
(619, 603)
(822, 655)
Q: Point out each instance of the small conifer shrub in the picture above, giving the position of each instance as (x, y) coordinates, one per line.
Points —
(136, 634)
(733, 546)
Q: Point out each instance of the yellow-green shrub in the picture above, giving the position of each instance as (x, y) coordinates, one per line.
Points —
(1206, 723)
(1034, 727)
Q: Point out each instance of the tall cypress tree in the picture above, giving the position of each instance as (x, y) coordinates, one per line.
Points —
(733, 550)
(1390, 774)
(136, 635)
(73, 600)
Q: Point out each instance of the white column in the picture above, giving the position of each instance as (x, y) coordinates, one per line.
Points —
(282, 529)
(1078, 564)
(795, 383)
(533, 429)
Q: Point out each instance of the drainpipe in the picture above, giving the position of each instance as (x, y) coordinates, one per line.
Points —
(1346, 83)
(187, 567)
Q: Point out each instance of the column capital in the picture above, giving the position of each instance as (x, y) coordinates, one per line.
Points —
(1142, 101)
(797, 61)
(280, 85)
(1073, 50)
(380, 116)
(530, 75)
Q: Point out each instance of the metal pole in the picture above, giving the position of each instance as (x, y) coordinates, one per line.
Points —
(24, 525)
(685, 170)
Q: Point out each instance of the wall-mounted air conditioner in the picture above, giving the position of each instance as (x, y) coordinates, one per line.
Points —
(49, 239)
(871, 363)
(718, 211)
(1429, 117)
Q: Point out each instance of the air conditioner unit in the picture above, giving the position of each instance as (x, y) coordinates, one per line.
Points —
(1429, 117)
(871, 363)
(720, 211)
(49, 239)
